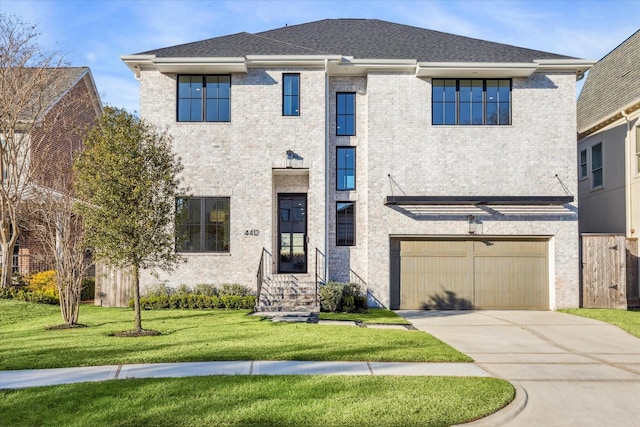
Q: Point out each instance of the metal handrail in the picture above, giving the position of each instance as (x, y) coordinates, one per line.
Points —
(263, 275)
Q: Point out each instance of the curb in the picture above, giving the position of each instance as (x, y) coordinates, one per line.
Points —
(504, 415)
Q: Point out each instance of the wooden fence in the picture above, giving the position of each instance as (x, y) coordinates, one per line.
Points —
(113, 286)
(609, 271)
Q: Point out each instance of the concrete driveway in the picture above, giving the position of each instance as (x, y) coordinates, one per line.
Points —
(575, 371)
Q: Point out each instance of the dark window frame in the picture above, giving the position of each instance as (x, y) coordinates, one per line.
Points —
(222, 245)
(583, 164)
(205, 100)
(467, 102)
(345, 169)
(597, 171)
(347, 237)
(294, 106)
(348, 116)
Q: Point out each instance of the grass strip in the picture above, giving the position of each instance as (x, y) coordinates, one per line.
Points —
(628, 320)
(259, 401)
(196, 335)
(376, 316)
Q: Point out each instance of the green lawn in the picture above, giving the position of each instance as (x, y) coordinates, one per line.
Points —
(196, 335)
(626, 320)
(259, 401)
(377, 316)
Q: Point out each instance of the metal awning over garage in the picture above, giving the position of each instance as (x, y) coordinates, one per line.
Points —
(503, 206)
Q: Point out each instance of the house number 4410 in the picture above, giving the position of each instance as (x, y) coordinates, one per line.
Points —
(251, 232)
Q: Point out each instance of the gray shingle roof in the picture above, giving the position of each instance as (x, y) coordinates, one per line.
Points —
(612, 83)
(359, 38)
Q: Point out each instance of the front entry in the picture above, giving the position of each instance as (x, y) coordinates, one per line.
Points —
(292, 233)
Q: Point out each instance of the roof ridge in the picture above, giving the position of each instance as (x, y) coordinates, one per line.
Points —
(289, 43)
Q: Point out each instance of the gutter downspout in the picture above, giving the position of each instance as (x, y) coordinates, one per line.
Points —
(627, 178)
(326, 169)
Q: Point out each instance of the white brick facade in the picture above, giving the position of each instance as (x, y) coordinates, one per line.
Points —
(399, 152)
(394, 139)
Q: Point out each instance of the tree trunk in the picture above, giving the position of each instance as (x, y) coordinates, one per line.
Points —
(136, 297)
(7, 265)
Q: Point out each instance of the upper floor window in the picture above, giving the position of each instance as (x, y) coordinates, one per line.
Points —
(345, 224)
(346, 168)
(471, 101)
(291, 94)
(583, 164)
(597, 178)
(202, 224)
(346, 113)
(204, 98)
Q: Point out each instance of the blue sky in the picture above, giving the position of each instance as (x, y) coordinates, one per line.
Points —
(95, 33)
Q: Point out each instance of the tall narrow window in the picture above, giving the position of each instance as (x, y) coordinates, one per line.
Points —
(202, 224)
(345, 113)
(346, 168)
(345, 224)
(470, 102)
(291, 94)
(597, 178)
(583, 164)
(204, 98)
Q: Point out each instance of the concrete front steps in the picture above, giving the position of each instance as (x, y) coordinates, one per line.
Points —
(288, 293)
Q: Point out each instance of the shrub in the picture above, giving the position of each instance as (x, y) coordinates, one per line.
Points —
(205, 289)
(26, 294)
(158, 290)
(183, 290)
(342, 297)
(88, 289)
(234, 289)
(44, 283)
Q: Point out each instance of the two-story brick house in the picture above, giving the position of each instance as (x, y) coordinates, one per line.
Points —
(436, 169)
(51, 133)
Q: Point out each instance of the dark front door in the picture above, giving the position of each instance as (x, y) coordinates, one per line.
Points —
(292, 233)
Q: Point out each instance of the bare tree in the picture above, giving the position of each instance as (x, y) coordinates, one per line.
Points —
(27, 90)
(55, 225)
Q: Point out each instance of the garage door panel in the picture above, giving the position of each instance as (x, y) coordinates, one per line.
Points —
(478, 273)
(434, 282)
(511, 282)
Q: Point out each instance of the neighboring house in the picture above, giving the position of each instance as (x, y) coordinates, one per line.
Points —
(434, 169)
(609, 143)
(70, 105)
(609, 178)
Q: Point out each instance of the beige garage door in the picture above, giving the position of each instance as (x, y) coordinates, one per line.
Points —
(467, 274)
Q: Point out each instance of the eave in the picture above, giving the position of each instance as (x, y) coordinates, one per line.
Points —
(474, 69)
(608, 120)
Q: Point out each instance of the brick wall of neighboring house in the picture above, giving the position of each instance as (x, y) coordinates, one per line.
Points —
(53, 147)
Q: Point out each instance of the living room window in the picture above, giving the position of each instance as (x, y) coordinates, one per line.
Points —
(291, 94)
(583, 171)
(345, 113)
(597, 178)
(204, 98)
(345, 224)
(471, 101)
(345, 168)
(202, 224)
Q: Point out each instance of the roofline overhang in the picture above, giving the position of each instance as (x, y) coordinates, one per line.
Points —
(475, 69)
(348, 66)
(609, 119)
(477, 200)
(578, 66)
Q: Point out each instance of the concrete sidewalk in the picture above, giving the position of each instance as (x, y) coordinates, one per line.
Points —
(45, 377)
(573, 371)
